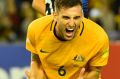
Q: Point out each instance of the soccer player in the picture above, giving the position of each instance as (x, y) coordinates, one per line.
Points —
(66, 45)
(46, 7)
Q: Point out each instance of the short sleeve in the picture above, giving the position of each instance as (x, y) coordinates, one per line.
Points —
(30, 39)
(101, 58)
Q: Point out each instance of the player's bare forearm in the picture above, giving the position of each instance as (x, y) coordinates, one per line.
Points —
(37, 71)
(92, 73)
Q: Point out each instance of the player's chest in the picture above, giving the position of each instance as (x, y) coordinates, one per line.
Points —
(54, 52)
(64, 54)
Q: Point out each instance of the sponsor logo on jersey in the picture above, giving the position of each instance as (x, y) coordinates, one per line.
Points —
(43, 51)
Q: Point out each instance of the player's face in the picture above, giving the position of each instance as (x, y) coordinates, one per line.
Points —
(68, 22)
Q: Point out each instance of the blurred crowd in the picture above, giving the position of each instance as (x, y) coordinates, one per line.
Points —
(107, 14)
(15, 15)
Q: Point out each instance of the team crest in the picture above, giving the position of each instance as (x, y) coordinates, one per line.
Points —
(79, 58)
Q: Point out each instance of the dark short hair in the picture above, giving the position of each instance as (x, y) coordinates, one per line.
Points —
(66, 3)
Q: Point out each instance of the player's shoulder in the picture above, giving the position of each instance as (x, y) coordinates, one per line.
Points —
(90, 22)
(40, 23)
(93, 26)
(95, 29)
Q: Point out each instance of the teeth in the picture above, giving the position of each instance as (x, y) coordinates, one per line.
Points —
(70, 29)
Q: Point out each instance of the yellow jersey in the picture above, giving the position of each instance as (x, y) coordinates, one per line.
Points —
(64, 59)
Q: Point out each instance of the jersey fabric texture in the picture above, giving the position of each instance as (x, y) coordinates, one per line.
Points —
(64, 59)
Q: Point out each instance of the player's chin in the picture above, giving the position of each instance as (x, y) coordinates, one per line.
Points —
(68, 38)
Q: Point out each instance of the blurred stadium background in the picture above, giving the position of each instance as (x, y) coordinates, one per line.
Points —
(15, 15)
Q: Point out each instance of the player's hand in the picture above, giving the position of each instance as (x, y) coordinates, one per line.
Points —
(81, 73)
(29, 75)
(38, 75)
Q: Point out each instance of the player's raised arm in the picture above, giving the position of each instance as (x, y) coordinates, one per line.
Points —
(39, 5)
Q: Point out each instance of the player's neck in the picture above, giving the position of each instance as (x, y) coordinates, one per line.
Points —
(55, 33)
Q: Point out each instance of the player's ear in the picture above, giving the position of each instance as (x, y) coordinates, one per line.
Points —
(55, 16)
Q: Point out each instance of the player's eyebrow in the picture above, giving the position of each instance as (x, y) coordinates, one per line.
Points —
(76, 17)
(66, 17)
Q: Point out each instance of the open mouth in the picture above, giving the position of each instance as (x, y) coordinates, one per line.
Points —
(69, 32)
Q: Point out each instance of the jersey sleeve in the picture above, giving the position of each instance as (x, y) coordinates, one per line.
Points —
(101, 58)
(30, 39)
